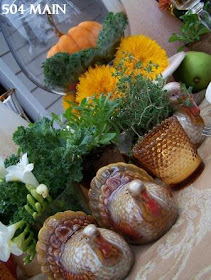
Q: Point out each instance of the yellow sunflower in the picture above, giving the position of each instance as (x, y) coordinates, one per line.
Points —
(142, 49)
(66, 98)
(96, 81)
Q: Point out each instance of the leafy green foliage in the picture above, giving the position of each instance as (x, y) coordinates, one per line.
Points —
(12, 198)
(57, 153)
(143, 105)
(90, 125)
(110, 37)
(21, 214)
(12, 160)
(190, 31)
(63, 69)
(55, 161)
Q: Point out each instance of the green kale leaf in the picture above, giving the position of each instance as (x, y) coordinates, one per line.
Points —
(13, 196)
(55, 162)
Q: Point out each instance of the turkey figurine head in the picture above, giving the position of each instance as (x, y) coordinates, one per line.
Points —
(71, 246)
(125, 198)
(181, 99)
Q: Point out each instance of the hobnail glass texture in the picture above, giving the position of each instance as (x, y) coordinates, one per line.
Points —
(166, 151)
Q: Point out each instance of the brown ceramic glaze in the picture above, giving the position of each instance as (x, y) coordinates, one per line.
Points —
(125, 199)
(70, 246)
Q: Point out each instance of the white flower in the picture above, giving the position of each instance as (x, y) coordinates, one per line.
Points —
(6, 245)
(22, 172)
(3, 171)
(42, 190)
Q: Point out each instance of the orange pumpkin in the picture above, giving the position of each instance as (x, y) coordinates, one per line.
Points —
(83, 36)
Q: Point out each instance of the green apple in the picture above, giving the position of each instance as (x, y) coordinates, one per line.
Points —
(195, 70)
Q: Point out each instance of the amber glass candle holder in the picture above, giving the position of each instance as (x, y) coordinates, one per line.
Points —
(166, 152)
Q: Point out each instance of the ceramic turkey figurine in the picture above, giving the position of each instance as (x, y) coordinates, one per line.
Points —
(187, 112)
(70, 246)
(125, 199)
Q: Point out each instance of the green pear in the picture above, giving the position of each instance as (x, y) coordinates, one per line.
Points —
(195, 70)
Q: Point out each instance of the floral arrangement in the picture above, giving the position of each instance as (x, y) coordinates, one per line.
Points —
(134, 54)
(19, 235)
(46, 146)
(123, 99)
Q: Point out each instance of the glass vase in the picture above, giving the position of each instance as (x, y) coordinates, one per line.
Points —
(167, 152)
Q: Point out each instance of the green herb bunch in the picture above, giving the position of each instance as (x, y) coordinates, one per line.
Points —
(90, 124)
(190, 31)
(46, 147)
(87, 126)
(143, 103)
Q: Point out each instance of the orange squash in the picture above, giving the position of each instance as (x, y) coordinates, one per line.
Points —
(83, 36)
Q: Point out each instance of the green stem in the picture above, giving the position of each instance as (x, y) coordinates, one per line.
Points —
(38, 207)
(19, 224)
(29, 210)
(35, 215)
(39, 198)
(55, 28)
(31, 201)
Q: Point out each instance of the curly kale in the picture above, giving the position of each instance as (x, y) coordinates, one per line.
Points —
(55, 162)
(12, 160)
(22, 214)
(13, 196)
(64, 69)
(111, 34)
(58, 156)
